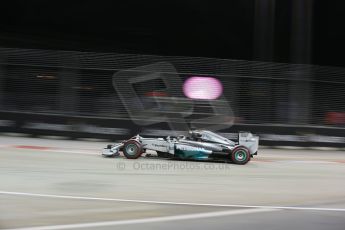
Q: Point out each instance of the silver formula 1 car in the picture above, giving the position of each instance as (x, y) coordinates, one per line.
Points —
(199, 145)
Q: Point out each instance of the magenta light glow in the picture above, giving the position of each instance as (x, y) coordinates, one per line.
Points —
(208, 88)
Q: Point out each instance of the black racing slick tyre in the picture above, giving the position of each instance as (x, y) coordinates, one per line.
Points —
(132, 149)
(240, 155)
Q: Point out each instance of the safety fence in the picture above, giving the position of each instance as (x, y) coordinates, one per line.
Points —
(116, 95)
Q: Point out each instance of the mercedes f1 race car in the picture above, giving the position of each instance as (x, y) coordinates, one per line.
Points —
(199, 145)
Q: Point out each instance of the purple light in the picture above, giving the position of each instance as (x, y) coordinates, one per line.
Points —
(202, 88)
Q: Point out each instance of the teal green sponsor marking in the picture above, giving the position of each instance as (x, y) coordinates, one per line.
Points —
(191, 154)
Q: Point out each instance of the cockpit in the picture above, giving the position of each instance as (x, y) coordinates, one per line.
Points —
(208, 136)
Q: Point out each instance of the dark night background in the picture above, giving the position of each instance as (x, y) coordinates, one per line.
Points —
(221, 29)
(81, 84)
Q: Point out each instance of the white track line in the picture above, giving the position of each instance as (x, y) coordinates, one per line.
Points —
(149, 220)
(172, 203)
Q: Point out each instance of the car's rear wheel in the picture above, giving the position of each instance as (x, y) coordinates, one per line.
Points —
(240, 155)
(132, 149)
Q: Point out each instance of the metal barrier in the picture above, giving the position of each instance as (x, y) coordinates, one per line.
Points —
(102, 94)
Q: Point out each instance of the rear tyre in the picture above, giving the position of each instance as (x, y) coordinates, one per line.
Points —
(132, 149)
(240, 155)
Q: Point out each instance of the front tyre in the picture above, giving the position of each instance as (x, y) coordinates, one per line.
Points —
(132, 149)
(240, 155)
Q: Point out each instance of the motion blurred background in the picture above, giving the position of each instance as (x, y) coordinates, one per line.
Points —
(111, 69)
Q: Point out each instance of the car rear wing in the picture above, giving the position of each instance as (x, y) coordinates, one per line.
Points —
(250, 141)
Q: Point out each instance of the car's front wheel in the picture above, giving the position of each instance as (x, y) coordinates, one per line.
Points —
(240, 155)
(132, 149)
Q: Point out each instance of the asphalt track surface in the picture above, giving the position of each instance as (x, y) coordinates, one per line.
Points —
(59, 184)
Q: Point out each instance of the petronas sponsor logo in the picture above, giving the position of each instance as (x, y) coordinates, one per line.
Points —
(189, 148)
